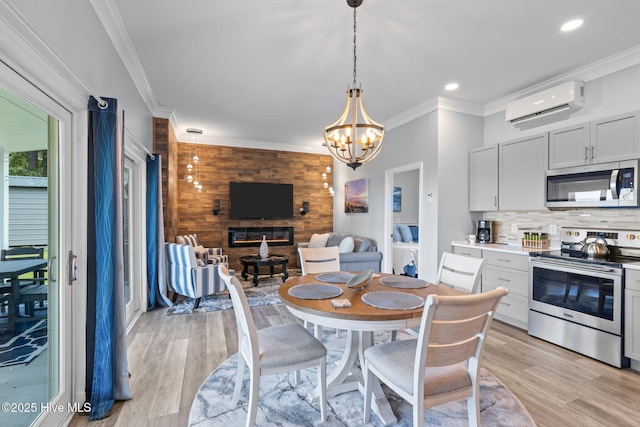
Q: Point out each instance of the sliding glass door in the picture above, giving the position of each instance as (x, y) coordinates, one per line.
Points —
(35, 311)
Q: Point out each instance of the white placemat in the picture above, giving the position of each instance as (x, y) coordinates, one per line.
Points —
(335, 277)
(315, 291)
(390, 300)
(403, 282)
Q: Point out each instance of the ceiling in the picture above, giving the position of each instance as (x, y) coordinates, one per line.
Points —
(274, 73)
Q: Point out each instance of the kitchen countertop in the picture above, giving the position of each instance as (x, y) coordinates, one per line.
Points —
(500, 247)
(632, 265)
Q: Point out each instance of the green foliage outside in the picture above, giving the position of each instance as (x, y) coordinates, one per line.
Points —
(28, 163)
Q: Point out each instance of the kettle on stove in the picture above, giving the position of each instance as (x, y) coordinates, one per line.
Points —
(596, 248)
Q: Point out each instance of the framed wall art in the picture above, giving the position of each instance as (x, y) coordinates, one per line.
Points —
(356, 196)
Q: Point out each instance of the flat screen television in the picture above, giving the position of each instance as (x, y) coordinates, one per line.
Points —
(260, 200)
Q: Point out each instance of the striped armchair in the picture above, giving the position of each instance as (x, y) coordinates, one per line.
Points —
(189, 276)
(208, 255)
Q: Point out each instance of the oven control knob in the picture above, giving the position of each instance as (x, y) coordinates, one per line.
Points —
(631, 236)
(567, 233)
(576, 233)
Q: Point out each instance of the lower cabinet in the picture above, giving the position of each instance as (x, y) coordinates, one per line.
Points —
(632, 315)
(512, 272)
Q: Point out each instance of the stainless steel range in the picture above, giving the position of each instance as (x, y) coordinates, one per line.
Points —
(576, 293)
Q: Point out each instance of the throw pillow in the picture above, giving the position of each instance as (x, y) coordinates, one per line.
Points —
(335, 239)
(406, 233)
(361, 244)
(199, 249)
(201, 263)
(318, 240)
(346, 245)
(397, 234)
(188, 239)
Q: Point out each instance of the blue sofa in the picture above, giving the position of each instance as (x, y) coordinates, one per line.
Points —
(364, 255)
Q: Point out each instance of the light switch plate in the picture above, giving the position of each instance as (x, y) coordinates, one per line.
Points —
(553, 229)
(514, 228)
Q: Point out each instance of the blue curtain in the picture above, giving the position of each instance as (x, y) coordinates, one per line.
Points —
(156, 264)
(107, 369)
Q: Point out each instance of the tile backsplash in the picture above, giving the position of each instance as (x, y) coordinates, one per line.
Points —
(625, 219)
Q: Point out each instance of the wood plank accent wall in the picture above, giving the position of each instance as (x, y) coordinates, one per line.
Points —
(220, 165)
(165, 143)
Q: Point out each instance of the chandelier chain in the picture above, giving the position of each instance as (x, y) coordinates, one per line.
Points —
(354, 46)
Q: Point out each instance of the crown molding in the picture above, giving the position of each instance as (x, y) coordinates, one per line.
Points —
(605, 66)
(431, 105)
(111, 20)
(23, 50)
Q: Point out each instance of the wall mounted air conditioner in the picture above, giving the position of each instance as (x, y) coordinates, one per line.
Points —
(566, 96)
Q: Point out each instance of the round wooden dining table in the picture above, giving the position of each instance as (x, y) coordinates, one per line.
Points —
(360, 320)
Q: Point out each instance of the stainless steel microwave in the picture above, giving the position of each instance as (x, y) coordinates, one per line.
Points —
(605, 185)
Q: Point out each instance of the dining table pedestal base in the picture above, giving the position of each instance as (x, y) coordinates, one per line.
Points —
(347, 376)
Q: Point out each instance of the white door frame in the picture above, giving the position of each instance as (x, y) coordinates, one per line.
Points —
(135, 152)
(387, 261)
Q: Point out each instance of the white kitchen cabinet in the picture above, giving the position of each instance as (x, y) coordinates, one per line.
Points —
(483, 179)
(632, 314)
(569, 147)
(522, 168)
(470, 252)
(600, 141)
(616, 138)
(511, 271)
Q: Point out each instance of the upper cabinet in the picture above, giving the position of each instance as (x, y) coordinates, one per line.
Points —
(608, 140)
(523, 164)
(616, 138)
(483, 179)
(569, 147)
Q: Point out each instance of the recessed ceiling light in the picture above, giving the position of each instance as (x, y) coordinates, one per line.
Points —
(451, 86)
(572, 25)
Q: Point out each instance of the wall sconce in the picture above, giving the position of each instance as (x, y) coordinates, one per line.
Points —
(305, 208)
(216, 206)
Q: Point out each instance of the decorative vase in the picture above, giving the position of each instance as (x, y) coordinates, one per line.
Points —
(264, 248)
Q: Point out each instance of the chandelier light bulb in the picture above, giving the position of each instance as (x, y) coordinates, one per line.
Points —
(195, 159)
(189, 178)
(328, 169)
(325, 185)
(189, 166)
(195, 183)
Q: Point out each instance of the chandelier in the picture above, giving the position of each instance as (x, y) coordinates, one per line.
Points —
(355, 138)
(194, 172)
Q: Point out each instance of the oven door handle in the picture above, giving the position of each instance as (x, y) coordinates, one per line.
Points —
(549, 263)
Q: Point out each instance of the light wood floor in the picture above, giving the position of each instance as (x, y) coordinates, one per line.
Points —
(171, 356)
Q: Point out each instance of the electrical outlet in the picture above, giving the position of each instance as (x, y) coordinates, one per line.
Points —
(514, 228)
(553, 229)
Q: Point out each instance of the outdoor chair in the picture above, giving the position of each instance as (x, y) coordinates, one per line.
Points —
(32, 289)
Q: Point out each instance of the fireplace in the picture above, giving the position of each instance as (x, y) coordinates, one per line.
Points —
(252, 236)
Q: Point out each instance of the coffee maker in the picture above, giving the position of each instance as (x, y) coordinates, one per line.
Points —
(483, 234)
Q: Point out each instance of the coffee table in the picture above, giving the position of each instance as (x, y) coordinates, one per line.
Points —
(256, 262)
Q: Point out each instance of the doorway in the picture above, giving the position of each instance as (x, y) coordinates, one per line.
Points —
(403, 219)
(36, 218)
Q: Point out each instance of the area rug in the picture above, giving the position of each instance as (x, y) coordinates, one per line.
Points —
(266, 293)
(284, 404)
(23, 348)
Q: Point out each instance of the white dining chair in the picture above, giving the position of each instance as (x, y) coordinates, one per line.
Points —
(458, 272)
(319, 260)
(442, 364)
(277, 349)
